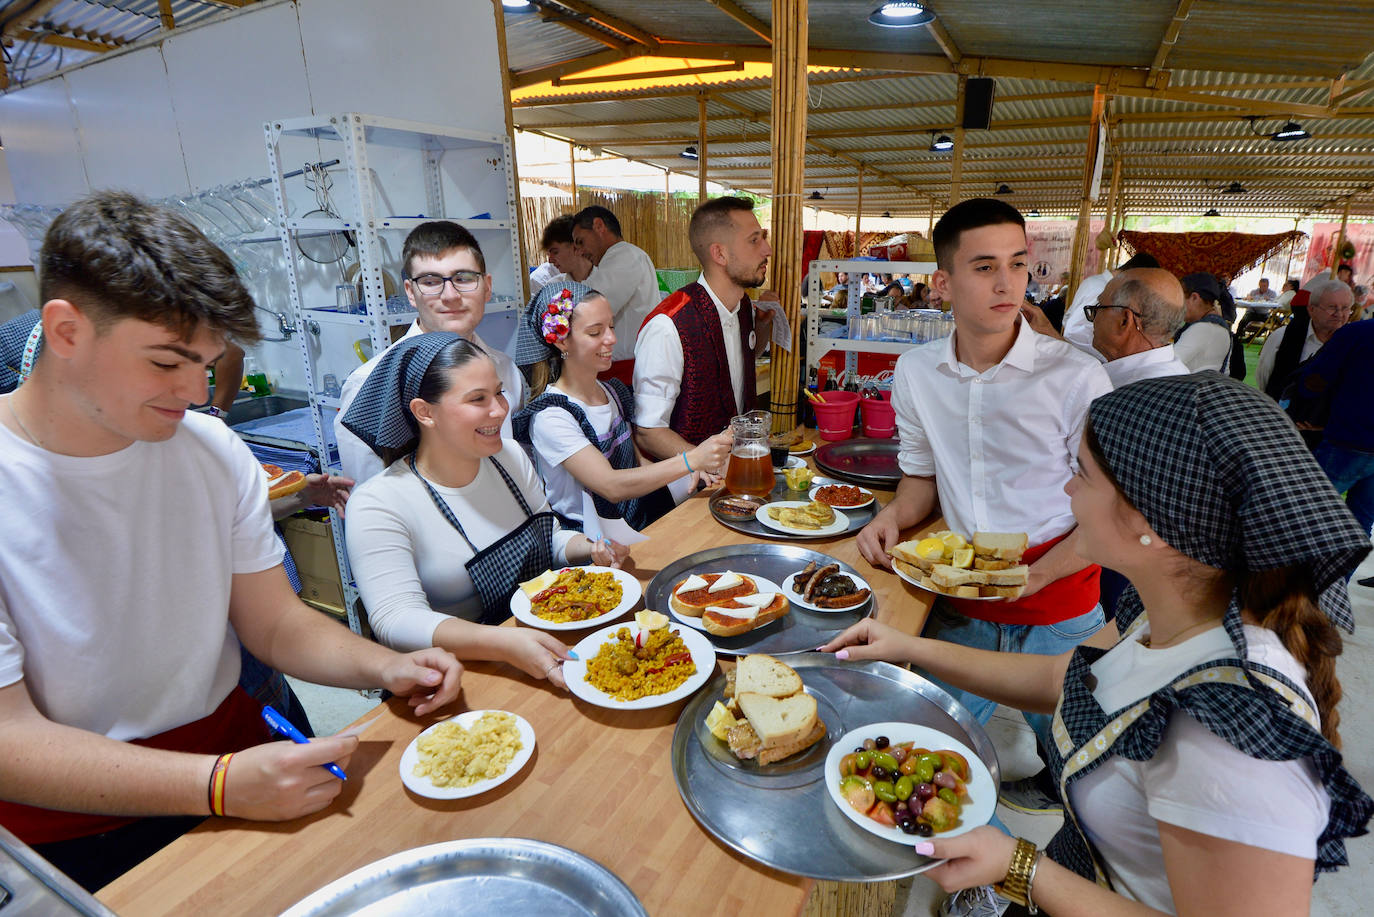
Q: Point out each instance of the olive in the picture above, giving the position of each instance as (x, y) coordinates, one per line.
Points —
(886, 760)
(923, 772)
(908, 826)
(901, 809)
(947, 795)
(947, 780)
(884, 791)
(935, 761)
(869, 744)
(904, 787)
(859, 748)
(923, 829)
(880, 773)
(862, 759)
(923, 791)
(881, 741)
(899, 752)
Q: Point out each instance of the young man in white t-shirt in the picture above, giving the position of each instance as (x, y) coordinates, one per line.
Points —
(141, 553)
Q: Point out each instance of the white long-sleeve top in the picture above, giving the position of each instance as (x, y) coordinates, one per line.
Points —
(625, 276)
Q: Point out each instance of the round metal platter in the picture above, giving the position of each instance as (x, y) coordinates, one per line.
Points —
(479, 877)
(797, 631)
(858, 517)
(781, 814)
(870, 462)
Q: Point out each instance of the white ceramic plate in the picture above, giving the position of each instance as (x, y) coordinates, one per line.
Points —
(796, 598)
(965, 598)
(812, 495)
(810, 448)
(978, 807)
(575, 670)
(421, 786)
(630, 592)
(793, 461)
(840, 524)
(761, 584)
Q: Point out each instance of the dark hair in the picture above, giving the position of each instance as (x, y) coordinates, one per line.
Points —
(1283, 600)
(1139, 259)
(437, 380)
(710, 218)
(1292, 282)
(1205, 295)
(587, 215)
(549, 370)
(439, 237)
(1344, 266)
(918, 289)
(974, 213)
(558, 231)
(889, 291)
(117, 257)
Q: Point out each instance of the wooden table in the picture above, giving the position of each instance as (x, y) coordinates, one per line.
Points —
(599, 782)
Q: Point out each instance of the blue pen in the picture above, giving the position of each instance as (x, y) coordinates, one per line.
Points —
(282, 726)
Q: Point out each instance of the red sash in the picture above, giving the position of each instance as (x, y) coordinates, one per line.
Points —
(1068, 597)
(235, 725)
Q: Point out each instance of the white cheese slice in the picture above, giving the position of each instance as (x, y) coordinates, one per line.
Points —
(726, 580)
(758, 599)
(277, 480)
(743, 614)
(692, 582)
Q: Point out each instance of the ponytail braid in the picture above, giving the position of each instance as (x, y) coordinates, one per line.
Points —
(1285, 601)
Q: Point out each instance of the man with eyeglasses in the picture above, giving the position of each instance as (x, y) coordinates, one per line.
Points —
(447, 283)
(1328, 309)
(1134, 321)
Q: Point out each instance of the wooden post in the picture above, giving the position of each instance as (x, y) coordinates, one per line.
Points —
(930, 225)
(859, 211)
(1110, 213)
(956, 165)
(667, 193)
(164, 11)
(1340, 238)
(787, 133)
(701, 149)
(1085, 207)
(1120, 224)
(522, 266)
(572, 173)
(1292, 250)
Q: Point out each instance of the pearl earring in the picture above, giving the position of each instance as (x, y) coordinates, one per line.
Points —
(1146, 540)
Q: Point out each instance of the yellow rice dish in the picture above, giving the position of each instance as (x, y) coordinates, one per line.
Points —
(453, 756)
(577, 595)
(628, 672)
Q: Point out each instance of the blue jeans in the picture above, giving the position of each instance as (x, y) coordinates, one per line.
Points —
(945, 623)
(1352, 474)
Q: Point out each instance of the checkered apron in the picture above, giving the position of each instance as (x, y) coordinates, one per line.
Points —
(1253, 707)
(617, 445)
(498, 569)
(20, 340)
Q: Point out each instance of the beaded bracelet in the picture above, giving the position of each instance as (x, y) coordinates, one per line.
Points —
(1020, 874)
(218, 778)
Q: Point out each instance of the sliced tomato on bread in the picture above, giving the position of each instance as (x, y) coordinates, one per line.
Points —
(691, 597)
(742, 616)
(282, 483)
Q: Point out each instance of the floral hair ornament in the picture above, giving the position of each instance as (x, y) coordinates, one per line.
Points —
(558, 316)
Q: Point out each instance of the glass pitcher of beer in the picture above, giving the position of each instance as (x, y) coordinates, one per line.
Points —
(750, 469)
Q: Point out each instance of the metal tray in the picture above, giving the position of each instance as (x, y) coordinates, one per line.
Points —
(781, 814)
(858, 518)
(871, 462)
(797, 631)
(478, 877)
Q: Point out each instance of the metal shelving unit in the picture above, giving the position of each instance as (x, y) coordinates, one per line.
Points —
(479, 178)
(816, 346)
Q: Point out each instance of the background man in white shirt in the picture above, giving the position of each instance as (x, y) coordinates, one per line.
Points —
(1205, 342)
(624, 275)
(447, 283)
(1262, 293)
(1134, 322)
(1077, 329)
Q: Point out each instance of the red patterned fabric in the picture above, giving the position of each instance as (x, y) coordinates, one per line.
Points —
(812, 240)
(1228, 253)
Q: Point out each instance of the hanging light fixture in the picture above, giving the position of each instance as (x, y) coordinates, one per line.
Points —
(941, 144)
(517, 6)
(815, 196)
(901, 14)
(689, 153)
(887, 214)
(1033, 213)
(1234, 188)
(1291, 131)
(1212, 212)
(1004, 188)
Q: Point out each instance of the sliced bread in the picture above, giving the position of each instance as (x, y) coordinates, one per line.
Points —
(947, 577)
(760, 674)
(779, 721)
(1000, 545)
(1012, 576)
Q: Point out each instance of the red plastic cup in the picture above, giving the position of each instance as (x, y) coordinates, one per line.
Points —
(878, 417)
(835, 416)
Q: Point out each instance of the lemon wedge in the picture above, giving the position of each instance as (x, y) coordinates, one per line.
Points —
(720, 721)
(797, 478)
(954, 541)
(963, 558)
(930, 548)
(653, 620)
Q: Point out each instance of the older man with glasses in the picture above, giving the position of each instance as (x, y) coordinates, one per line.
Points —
(1329, 309)
(447, 283)
(1134, 322)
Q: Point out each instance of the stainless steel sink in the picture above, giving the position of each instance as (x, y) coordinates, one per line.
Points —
(246, 409)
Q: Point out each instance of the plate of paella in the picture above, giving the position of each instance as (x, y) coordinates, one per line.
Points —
(630, 667)
(575, 598)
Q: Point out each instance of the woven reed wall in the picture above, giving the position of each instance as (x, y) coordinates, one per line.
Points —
(642, 221)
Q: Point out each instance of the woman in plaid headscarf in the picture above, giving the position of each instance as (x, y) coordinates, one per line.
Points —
(1196, 749)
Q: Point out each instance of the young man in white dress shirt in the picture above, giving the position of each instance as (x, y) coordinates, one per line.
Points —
(447, 283)
(990, 421)
(624, 275)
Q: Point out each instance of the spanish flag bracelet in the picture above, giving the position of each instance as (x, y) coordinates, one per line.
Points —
(218, 778)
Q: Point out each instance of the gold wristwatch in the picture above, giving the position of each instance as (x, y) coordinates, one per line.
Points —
(1020, 874)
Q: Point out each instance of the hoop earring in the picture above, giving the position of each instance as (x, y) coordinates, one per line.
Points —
(1146, 540)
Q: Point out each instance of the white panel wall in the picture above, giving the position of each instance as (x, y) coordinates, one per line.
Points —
(42, 147)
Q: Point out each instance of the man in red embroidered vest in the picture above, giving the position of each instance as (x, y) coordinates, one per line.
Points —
(145, 554)
(990, 420)
(694, 359)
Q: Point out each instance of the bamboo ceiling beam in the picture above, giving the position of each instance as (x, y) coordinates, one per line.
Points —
(24, 20)
(607, 21)
(1257, 106)
(1351, 89)
(552, 71)
(645, 74)
(582, 28)
(937, 31)
(164, 14)
(1166, 43)
(744, 18)
(62, 41)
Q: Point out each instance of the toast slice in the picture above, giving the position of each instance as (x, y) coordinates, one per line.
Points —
(779, 721)
(760, 674)
(947, 577)
(906, 553)
(984, 563)
(773, 753)
(1006, 592)
(692, 602)
(1012, 576)
(737, 617)
(1000, 545)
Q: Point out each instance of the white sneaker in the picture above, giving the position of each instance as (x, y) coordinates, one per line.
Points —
(979, 901)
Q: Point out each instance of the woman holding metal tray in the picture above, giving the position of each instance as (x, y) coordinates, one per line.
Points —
(578, 428)
(1197, 750)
